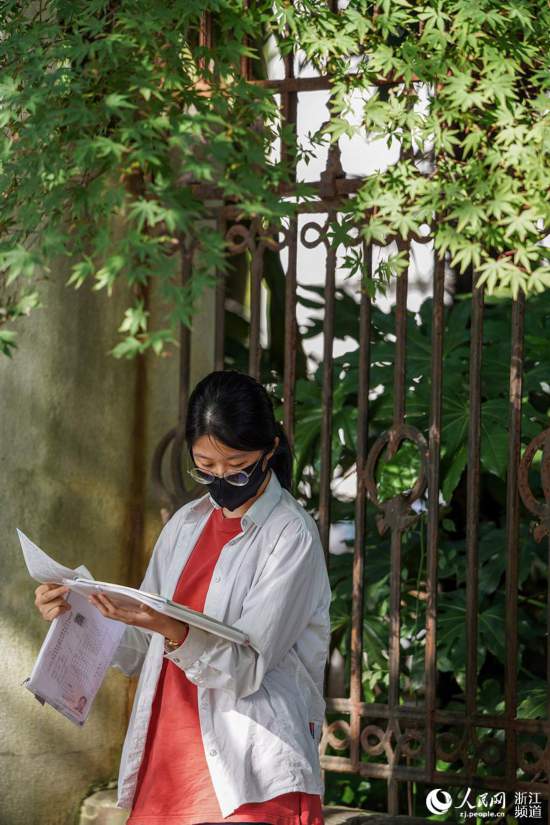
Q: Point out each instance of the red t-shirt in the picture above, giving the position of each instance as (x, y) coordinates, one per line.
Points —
(174, 785)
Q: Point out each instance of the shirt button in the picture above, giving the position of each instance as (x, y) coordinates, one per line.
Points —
(218, 579)
(213, 753)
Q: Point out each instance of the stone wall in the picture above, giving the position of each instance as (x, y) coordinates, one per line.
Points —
(77, 433)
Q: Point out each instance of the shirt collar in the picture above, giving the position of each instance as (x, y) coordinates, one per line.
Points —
(257, 513)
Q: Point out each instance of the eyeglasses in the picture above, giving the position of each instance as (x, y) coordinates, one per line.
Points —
(238, 479)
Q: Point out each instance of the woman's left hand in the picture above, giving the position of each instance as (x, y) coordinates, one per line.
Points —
(141, 616)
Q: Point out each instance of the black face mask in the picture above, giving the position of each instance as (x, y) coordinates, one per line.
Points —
(231, 497)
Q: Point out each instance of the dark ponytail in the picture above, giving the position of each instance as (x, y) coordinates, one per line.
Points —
(236, 410)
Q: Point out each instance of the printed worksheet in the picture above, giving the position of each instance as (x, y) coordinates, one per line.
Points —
(74, 658)
(78, 648)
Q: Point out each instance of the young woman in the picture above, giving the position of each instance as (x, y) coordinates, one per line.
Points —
(221, 731)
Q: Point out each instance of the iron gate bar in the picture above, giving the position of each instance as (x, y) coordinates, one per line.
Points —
(327, 391)
(205, 35)
(319, 83)
(545, 477)
(542, 512)
(245, 62)
(356, 643)
(219, 308)
(394, 642)
(291, 333)
(342, 187)
(400, 352)
(512, 528)
(373, 770)
(289, 105)
(434, 445)
(441, 717)
(472, 498)
(289, 117)
(256, 251)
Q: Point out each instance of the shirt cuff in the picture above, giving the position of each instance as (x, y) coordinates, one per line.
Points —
(191, 649)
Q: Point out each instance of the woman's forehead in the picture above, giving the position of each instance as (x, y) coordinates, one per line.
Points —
(209, 447)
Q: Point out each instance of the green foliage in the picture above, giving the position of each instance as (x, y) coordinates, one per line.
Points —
(468, 103)
(109, 112)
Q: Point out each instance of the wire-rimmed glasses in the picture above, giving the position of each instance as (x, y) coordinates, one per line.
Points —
(238, 479)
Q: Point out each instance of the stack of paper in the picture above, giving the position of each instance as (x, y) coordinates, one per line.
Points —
(80, 643)
(123, 596)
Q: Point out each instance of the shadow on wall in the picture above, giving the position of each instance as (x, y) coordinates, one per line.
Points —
(66, 449)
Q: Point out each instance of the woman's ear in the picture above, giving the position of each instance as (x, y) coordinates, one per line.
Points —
(277, 442)
(270, 453)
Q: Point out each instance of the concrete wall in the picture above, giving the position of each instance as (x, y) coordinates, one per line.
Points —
(77, 432)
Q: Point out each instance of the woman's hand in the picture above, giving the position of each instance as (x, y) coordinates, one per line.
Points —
(50, 601)
(141, 616)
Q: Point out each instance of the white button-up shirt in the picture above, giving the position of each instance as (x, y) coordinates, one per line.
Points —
(255, 702)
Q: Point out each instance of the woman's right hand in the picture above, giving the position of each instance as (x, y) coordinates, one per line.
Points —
(50, 600)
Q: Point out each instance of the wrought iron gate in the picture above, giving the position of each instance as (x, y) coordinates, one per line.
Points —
(392, 741)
